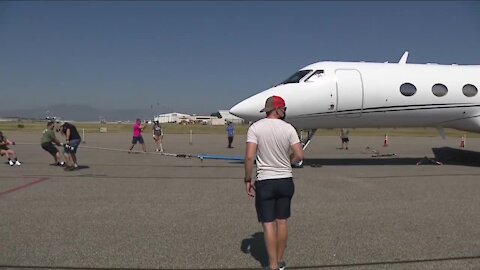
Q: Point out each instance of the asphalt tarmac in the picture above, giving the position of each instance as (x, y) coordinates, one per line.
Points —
(369, 207)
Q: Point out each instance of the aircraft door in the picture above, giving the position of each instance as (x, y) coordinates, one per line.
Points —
(349, 93)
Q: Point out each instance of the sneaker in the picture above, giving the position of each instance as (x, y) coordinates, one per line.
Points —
(18, 163)
(11, 163)
(282, 265)
(61, 163)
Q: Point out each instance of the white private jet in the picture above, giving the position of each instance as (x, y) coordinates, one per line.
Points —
(362, 95)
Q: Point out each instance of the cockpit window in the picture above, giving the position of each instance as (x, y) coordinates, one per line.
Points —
(295, 78)
(315, 76)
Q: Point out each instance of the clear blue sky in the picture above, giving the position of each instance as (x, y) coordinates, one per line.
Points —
(198, 57)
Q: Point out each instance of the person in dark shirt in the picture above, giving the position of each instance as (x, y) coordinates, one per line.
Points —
(344, 137)
(72, 141)
(158, 136)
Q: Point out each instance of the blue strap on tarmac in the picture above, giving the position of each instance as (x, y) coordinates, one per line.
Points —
(233, 158)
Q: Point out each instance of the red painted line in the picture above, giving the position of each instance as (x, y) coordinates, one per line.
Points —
(23, 186)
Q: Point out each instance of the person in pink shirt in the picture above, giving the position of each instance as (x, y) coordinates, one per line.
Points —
(137, 135)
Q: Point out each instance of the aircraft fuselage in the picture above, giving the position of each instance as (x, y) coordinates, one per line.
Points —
(358, 94)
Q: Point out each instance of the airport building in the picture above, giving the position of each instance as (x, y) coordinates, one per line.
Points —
(172, 117)
(219, 118)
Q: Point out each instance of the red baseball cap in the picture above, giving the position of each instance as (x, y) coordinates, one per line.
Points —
(272, 103)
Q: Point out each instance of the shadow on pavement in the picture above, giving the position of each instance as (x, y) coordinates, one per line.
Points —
(360, 161)
(255, 246)
(445, 155)
(454, 156)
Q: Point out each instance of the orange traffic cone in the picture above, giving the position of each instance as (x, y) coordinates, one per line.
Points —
(462, 141)
(385, 141)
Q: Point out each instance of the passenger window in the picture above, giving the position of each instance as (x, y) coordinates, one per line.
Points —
(315, 76)
(469, 90)
(408, 89)
(439, 90)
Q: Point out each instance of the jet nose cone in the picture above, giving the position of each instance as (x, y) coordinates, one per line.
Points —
(247, 110)
(240, 110)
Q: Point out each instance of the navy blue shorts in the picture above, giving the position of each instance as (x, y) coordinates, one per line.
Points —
(74, 144)
(273, 198)
(137, 139)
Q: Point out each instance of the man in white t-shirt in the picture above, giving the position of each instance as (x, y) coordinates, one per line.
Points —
(269, 140)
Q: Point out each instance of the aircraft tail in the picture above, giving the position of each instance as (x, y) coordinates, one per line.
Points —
(403, 60)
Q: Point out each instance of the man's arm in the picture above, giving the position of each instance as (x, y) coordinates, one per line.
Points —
(67, 135)
(250, 154)
(297, 153)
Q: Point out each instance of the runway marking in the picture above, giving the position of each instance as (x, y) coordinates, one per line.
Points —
(347, 265)
(39, 180)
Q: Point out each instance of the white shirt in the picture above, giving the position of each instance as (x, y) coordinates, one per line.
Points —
(273, 137)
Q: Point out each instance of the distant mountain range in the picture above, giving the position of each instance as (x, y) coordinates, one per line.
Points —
(78, 113)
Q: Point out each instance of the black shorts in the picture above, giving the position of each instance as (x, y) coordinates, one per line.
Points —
(273, 198)
(137, 139)
(345, 140)
(50, 148)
